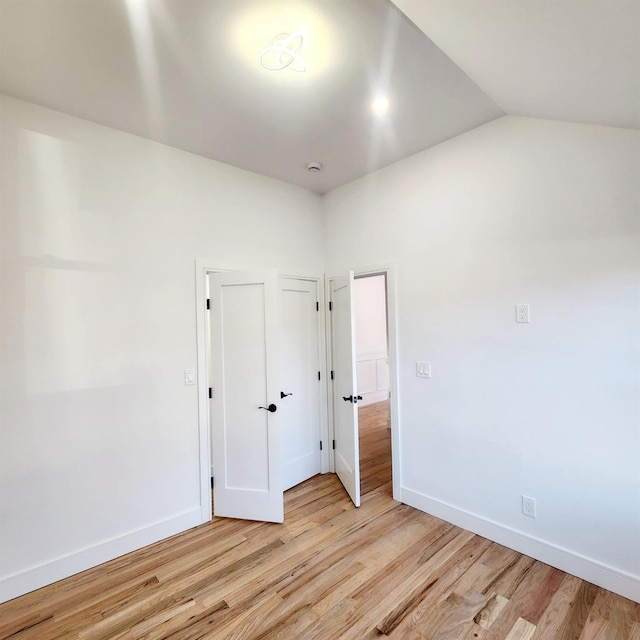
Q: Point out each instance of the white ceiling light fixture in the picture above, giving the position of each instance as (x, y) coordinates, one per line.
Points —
(284, 53)
(380, 105)
(314, 167)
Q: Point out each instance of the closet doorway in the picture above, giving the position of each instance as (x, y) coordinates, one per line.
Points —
(321, 389)
(265, 392)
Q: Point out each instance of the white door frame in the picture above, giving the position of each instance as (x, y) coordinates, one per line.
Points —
(389, 270)
(202, 269)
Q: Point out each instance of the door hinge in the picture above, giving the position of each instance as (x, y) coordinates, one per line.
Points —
(330, 305)
(318, 375)
(333, 444)
(208, 303)
(332, 375)
(212, 482)
(210, 392)
(320, 445)
(317, 306)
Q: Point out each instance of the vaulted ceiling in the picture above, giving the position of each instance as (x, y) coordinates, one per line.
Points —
(186, 72)
(575, 60)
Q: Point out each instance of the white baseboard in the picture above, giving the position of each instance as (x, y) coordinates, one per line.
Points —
(590, 570)
(39, 576)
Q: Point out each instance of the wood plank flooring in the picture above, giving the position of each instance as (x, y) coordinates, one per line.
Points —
(329, 572)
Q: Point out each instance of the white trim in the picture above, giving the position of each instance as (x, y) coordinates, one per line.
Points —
(371, 356)
(578, 565)
(49, 572)
(202, 268)
(300, 277)
(204, 457)
(325, 458)
(328, 367)
(389, 269)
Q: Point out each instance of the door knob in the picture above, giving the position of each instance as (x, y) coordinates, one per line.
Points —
(284, 395)
(348, 399)
(271, 408)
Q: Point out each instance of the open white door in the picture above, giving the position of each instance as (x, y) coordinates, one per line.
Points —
(246, 440)
(345, 399)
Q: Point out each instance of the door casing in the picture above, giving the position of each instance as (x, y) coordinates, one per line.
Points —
(202, 269)
(389, 270)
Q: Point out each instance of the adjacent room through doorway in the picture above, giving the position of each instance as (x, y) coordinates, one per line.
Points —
(372, 364)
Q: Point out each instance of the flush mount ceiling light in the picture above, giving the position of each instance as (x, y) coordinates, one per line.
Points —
(284, 53)
(314, 167)
(254, 25)
(380, 105)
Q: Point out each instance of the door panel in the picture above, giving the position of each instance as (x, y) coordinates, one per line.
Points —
(345, 412)
(300, 411)
(246, 440)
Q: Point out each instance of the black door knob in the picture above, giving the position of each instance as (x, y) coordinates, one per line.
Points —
(348, 399)
(284, 395)
(271, 408)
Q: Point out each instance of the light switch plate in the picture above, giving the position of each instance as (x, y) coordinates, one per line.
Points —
(189, 377)
(423, 369)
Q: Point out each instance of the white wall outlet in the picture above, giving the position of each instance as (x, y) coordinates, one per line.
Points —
(423, 369)
(522, 313)
(529, 506)
(189, 377)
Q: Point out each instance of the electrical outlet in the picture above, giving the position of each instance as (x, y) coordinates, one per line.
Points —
(522, 313)
(529, 506)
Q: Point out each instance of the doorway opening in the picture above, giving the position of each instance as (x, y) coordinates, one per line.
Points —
(212, 395)
(378, 373)
(263, 338)
(373, 382)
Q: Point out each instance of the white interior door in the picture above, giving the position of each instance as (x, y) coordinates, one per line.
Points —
(246, 440)
(300, 407)
(345, 399)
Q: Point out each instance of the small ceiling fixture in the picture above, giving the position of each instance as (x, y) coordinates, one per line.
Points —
(314, 167)
(284, 53)
(380, 105)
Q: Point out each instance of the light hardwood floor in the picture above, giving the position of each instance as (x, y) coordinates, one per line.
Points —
(330, 571)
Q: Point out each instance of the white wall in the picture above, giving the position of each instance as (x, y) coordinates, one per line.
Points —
(99, 235)
(370, 310)
(517, 211)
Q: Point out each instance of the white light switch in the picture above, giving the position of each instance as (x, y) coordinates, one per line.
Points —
(423, 369)
(522, 313)
(189, 377)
